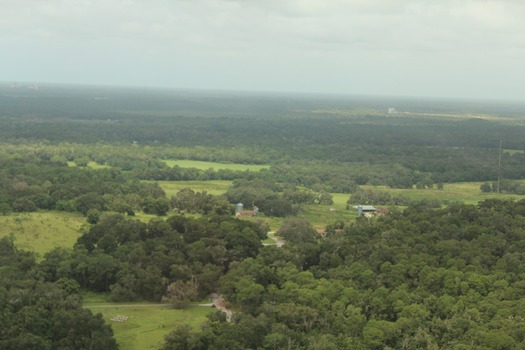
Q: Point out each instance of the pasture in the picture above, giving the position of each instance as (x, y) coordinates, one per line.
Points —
(466, 192)
(215, 187)
(146, 324)
(92, 165)
(40, 232)
(183, 163)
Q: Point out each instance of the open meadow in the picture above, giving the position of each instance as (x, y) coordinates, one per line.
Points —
(215, 187)
(92, 165)
(40, 232)
(184, 163)
(466, 192)
(144, 325)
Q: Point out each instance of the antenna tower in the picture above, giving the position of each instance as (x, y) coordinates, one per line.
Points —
(499, 166)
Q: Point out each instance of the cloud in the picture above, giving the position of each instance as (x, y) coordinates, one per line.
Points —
(272, 41)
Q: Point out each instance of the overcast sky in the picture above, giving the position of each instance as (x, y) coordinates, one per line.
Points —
(437, 48)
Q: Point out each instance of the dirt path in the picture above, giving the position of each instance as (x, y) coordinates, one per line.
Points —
(219, 302)
(279, 242)
(123, 305)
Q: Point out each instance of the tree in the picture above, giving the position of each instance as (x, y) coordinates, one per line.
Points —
(93, 215)
(325, 198)
(297, 230)
(182, 338)
(157, 206)
(486, 187)
(181, 293)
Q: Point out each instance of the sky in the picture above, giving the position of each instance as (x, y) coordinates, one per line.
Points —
(429, 48)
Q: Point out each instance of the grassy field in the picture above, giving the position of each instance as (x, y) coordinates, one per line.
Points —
(216, 166)
(513, 151)
(92, 165)
(147, 323)
(215, 187)
(467, 192)
(321, 215)
(40, 232)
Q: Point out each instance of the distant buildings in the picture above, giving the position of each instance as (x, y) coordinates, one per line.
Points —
(365, 210)
(369, 211)
(240, 212)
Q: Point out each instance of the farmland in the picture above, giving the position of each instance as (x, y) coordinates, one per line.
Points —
(41, 232)
(201, 165)
(146, 324)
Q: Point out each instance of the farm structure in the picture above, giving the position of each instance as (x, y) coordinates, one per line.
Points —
(365, 210)
(240, 212)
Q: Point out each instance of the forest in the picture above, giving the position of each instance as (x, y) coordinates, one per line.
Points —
(429, 273)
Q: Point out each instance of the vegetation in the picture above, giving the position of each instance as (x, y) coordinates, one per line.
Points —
(132, 196)
(42, 231)
(424, 278)
(43, 315)
(215, 166)
(146, 325)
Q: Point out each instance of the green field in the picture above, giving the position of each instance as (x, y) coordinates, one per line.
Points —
(513, 151)
(147, 323)
(466, 192)
(215, 187)
(321, 215)
(40, 232)
(216, 166)
(92, 165)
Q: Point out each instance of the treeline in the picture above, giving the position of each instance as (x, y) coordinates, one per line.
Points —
(274, 199)
(28, 185)
(424, 278)
(503, 186)
(378, 197)
(134, 130)
(333, 168)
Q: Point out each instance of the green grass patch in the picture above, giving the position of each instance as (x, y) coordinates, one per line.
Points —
(466, 192)
(513, 151)
(147, 323)
(215, 166)
(92, 165)
(215, 187)
(40, 232)
(321, 215)
(269, 240)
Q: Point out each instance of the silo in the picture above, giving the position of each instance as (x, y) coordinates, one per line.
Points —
(239, 207)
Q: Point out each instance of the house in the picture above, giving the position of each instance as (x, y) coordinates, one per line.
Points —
(239, 212)
(365, 210)
(245, 213)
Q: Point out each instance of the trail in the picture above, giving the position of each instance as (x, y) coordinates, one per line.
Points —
(219, 302)
(122, 305)
(279, 242)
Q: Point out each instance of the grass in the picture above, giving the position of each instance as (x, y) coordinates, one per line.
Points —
(216, 166)
(321, 215)
(92, 165)
(513, 151)
(269, 240)
(40, 232)
(467, 192)
(215, 187)
(147, 323)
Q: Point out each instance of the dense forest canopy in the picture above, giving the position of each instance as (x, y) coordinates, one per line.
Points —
(422, 279)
